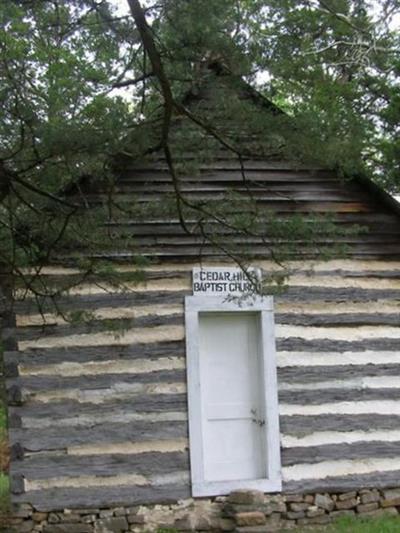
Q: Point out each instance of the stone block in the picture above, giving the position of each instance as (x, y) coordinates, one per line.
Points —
(297, 507)
(251, 529)
(317, 520)
(291, 515)
(287, 524)
(186, 523)
(68, 528)
(309, 498)
(391, 511)
(391, 498)
(315, 511)
(114, 524)
(294, 498)
(324, 501)
(26, 526)
(89, 518)
(160, 525)
(277, 506)
(106, 513)
(255, 518)
(133, 510)
(369, 496)
(347, 495)
(205, 523)
(10, 521)
(273, 522)
(230, 509)
(135, 518)
(347, 504)
(39, 517)
(338, 514)
(23, 510)
(267, 528)
(70, 517)
(53, 518)
(246, 497)
(366, 507)
(225, 524)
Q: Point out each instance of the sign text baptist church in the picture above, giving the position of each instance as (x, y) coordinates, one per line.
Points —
(223, 280)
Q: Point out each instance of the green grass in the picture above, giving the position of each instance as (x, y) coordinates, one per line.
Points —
(384, 524)
(4, 493)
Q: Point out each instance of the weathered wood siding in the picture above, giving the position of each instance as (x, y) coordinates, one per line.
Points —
(99, 417)
(275, 186)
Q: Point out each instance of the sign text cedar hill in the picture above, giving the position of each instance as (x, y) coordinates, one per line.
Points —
(214, 281)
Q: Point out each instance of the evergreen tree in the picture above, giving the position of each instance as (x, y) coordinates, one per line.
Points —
(80, 84)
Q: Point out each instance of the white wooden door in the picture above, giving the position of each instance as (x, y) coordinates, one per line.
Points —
(231, 400)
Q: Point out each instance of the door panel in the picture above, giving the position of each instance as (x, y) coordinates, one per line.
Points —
(232, 410)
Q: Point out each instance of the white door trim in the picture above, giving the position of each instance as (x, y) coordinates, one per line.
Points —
(264, 306)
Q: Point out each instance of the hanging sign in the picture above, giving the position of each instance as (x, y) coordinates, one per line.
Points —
(219, 281)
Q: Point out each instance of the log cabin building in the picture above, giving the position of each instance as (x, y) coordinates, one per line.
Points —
(295, 395)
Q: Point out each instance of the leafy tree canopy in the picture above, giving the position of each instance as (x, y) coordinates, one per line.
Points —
(79, 83)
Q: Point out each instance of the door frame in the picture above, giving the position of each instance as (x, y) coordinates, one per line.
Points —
(263, 306)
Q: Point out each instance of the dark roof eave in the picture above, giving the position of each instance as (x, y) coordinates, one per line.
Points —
(382, 195)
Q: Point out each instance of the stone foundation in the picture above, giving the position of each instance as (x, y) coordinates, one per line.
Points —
(241, 512)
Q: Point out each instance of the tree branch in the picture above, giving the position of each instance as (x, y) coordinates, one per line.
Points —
(158, 70)
(134, 81)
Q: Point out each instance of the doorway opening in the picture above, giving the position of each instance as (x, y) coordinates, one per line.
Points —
(233, 406)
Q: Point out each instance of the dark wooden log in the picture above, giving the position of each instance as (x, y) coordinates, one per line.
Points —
(32, 439)
(131, 299)
(148, 403)
(14, 419)
(331, 452)
(275, 175)
(77, 354)
(320, 396)
(333, 320)
(66, 280)
(16, 484)
(14, 395)
(337, 294)
(300, 426)
(10, 367)
(316, 374)
(330, 345)
(104, 497)
(375, 480)
(32, 384)
(55, 280)
(118, 325)
(134, 196)
(111, 300)
(359, 274)
(16, 452)
(258, 187)
(146, 229)
(45, 466)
